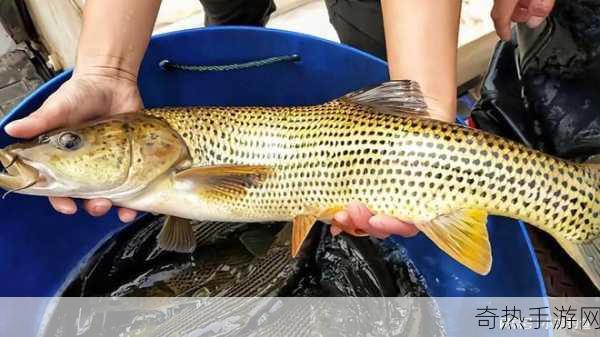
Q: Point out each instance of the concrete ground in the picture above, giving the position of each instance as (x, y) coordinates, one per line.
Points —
(310, 17)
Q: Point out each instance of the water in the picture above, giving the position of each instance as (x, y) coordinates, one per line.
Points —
(138, 289)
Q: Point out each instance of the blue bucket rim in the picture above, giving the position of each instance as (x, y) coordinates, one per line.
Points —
(60, 77)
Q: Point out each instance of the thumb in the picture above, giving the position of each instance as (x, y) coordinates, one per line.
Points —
(50, 115)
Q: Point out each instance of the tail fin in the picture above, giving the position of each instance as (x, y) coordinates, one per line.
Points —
(587, 256)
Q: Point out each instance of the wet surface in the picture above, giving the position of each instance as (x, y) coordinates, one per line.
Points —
(131, 265)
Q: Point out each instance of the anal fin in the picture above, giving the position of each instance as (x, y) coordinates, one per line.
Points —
(463, 235)
(177, 235)
(301, 227)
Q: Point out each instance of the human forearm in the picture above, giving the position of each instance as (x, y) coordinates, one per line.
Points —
(421, 40)
(114, 36)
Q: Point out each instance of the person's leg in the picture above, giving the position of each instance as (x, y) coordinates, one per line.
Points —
(359, 23)
(237, 12)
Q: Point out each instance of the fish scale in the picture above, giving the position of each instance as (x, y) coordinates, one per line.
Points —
(409, 167)
(263, 164)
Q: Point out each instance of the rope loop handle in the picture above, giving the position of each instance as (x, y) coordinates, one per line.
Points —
(168, 65)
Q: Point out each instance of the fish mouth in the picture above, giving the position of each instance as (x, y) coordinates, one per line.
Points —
(16, 174)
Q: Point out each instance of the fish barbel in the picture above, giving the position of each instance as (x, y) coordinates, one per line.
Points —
(260, 164)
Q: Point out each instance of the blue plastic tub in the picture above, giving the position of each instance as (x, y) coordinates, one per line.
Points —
(39, 248)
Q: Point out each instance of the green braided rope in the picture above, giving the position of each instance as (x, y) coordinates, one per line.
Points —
(168, 65)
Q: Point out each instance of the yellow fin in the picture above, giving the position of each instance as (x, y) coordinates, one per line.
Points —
(463, 235)
(177, 235)
(224, 180)
(300, 229)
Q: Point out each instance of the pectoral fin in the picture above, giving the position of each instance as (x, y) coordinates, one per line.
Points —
(177, 235)
(463, 235)
(300, 229)
(230, 181)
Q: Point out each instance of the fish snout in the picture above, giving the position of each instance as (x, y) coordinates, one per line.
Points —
(15, 174)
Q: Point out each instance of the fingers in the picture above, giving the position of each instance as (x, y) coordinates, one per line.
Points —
(539, 10)
(127, 215)
(348, 225)
(335, 230)
(97, 207)
(359, 215)
(391, 225)
(49, 116)
(63, 205)
(502, 13)
(357, 218)
(531, 12)
(535, 21)
(521, 14)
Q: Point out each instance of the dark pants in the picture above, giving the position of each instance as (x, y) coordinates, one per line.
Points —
(359, 23)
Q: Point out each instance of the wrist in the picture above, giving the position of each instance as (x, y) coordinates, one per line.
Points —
(444, 110)
(114, 67)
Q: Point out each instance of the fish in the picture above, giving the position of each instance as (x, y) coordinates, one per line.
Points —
(303, 164)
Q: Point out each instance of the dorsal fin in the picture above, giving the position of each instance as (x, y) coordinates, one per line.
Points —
(400, 97)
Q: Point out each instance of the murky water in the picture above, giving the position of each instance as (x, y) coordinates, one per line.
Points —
(230, 281)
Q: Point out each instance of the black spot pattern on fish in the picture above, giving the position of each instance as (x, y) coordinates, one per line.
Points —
(328, 155)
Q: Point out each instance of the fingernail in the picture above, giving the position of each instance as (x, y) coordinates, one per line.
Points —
(10, 126)
(96, 210)
(66, 210)
(535, 21)
(335, 231)
(127, 217)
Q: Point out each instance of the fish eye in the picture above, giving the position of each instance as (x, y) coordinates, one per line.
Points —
(69, 141)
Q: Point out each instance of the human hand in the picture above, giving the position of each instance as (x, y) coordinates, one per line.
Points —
(531, 12)
(358, 219)
(89, 94)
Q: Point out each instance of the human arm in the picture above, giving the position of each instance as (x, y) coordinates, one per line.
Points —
(421, 40)
(113, 40)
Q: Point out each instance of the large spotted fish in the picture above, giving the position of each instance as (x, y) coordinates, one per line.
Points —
(257, 164)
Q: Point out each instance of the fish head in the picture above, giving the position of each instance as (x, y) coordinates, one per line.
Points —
(110, 158)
